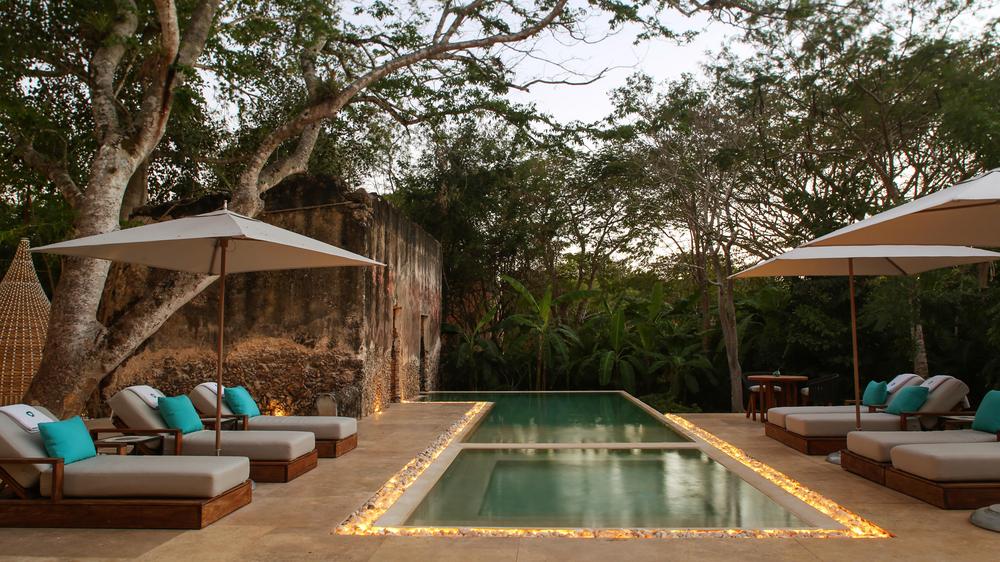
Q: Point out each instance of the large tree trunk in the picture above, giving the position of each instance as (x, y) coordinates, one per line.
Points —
(68, 374)
(137, 191)
(727, 321)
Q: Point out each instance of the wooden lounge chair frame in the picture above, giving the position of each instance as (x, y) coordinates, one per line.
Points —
(803, 444)
(877, 472)
(946, 495)
(864, 466)
(279, 471)
(333, 448)
(28, 509)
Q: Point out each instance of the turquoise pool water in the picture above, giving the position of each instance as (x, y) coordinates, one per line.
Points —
(562, 417)
(603, 488)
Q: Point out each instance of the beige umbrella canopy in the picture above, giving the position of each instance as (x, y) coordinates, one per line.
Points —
(968, 214)
(214, 243)
(864, 260)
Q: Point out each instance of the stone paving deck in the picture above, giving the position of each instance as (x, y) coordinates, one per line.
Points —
(295, 521)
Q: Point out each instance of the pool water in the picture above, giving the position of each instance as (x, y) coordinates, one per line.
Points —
(607, 488)
(584, 460)
(563, 417)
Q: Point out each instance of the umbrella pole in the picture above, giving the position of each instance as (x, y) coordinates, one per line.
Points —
(854, 346)
(222, 329)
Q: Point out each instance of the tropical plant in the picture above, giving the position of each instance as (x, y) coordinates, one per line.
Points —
(475, 354)
(539, 329)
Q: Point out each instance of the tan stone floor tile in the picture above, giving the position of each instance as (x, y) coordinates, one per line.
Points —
(314, 512)
(447, 549)
(702, 549)
(212, 543)
(81, 543)
(307, 544)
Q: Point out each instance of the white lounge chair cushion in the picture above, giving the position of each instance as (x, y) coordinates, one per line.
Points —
(257, 445)
(323, 427)
(28, 417)
(877, 445)
(945, 394)
(902, 381)
(15, 442)
(950, 462)
(109, 476)
(132, 410)
(839, 425)
(148, 394)
(203, 398)
(777, 415)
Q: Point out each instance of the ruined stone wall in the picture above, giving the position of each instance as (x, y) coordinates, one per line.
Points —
(291, 335)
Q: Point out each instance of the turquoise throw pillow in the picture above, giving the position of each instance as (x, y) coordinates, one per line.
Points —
(876, 393)
(988, 414)
(68, 440)
(178, 412)
(240, 402)
(908, 399)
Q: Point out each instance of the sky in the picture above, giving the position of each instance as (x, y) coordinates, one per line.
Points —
(662, 59)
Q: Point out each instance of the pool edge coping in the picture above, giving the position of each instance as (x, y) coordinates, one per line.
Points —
(862, 527)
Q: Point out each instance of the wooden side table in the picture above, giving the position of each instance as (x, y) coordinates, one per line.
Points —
(121, 443)
(789, 387)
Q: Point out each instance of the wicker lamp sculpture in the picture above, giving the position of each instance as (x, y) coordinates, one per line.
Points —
(24, 321)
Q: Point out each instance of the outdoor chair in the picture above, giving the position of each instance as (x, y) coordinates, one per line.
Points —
(947, 475)
(110, 491)
(820, 390)
(824, 433)
(869, 453)
(335, 435)
(275, 456)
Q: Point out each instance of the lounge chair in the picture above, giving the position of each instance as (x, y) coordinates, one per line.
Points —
(824, 433)
(868, 453)
(335, 435)
(275, 456)
(777, 416)
(112, 491)
(947, 475)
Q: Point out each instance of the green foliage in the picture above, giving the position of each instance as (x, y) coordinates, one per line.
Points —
(664, 402)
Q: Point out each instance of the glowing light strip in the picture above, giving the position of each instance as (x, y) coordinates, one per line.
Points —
(857, 526)
(362, 521)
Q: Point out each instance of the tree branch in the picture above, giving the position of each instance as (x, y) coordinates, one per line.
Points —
(55, 172)
(247, 198)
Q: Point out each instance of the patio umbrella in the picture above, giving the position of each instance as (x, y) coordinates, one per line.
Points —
(216, 243)
(967, 214)
(864, 260)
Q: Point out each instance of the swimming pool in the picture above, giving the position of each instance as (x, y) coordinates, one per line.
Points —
(591, 464)
(611, 488)
(562, 417)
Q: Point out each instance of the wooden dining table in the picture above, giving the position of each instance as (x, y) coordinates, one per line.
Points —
(789, 389)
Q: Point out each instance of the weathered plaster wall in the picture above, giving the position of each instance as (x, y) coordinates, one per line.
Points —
(291, 335)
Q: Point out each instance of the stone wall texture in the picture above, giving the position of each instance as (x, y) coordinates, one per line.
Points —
(369, 335)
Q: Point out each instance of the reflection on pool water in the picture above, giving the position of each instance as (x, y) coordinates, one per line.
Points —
(562, 417)
(604, 488)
